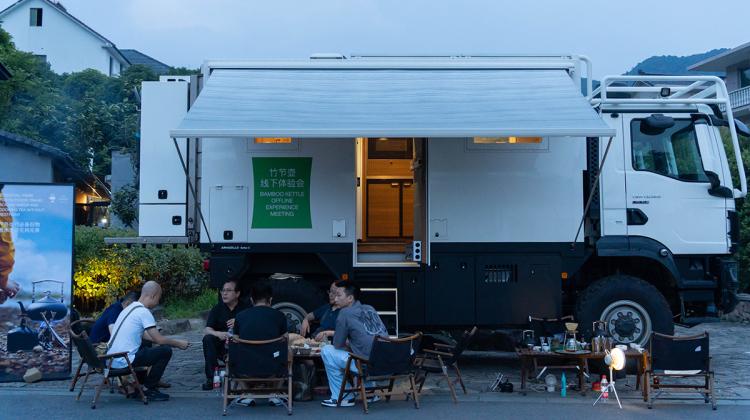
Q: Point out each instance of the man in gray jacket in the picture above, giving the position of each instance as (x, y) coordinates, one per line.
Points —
(356, 327)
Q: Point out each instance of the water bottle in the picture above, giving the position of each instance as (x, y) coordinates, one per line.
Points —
(564, 386)
(217, 380)
(605, 389)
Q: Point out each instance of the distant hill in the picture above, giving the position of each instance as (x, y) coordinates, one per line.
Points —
(674, 65)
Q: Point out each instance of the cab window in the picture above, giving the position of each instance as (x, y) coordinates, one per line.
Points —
(673, 153)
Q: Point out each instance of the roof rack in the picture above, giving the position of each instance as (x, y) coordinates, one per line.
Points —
(642, 90)
(672, 90)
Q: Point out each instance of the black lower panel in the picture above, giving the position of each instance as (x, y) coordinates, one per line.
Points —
(491, 289)
(450, 290)
(510, 288)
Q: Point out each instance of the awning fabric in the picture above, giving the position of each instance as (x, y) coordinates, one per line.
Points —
(328, 103)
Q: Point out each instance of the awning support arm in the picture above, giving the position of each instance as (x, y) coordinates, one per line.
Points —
(591, 193)
(192, 189)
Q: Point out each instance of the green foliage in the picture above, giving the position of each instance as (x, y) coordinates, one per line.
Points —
(743, 253)
(125, 205)
(104, 273)
(181, 307)
(86, 114)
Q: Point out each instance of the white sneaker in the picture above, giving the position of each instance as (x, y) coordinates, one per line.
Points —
(373, 399)
(332, 403)
(274, 401)
(247, 402)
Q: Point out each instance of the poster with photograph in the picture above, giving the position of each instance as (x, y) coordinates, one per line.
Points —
(36, 260)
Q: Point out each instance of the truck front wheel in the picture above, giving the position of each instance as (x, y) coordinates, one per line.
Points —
(295, 297)
(631, 308)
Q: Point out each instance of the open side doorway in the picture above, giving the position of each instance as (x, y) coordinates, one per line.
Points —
(391, 200)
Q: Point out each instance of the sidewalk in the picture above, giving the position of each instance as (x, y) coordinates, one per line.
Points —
(729, 349)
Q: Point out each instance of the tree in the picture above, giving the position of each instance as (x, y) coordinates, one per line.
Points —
(125, 205)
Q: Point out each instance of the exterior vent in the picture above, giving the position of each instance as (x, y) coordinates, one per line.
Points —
(500, 273)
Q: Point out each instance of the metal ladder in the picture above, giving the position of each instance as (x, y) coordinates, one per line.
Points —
(394, 312)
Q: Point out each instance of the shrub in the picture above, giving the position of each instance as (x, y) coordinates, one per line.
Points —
(104, 273)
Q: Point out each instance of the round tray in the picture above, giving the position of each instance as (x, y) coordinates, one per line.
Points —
(577, 352)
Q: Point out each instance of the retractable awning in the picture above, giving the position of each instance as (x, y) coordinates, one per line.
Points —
(390, 103)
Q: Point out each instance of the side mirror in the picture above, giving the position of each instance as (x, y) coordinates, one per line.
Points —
(742, 129)
(656, 124)
(716, 189)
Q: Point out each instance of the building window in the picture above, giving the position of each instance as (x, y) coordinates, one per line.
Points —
(35, 16)
(111, 66)
(507, 144)
(273, 140)
(745, 77)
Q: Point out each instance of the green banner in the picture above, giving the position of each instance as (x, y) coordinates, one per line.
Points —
(282, 193)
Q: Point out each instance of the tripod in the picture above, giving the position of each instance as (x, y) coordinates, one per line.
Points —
(609, 388)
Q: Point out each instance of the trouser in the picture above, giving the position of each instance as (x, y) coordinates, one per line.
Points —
(156, 358)
(213, 349)
(334, 361)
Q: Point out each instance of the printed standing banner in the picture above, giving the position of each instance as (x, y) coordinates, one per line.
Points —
(282, 193)
(36, 271)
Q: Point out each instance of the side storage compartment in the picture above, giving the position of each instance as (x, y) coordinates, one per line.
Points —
(510, 288)
(163, 187)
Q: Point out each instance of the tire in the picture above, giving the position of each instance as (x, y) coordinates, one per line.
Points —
(295, 297)
(631, 307)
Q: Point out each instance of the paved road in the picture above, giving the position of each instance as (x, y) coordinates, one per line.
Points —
(17, 404)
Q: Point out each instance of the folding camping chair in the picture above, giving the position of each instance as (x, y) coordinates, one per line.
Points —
(80, 326)
(262, 367)
(440, 358)
(390, 359)
(673, 357)
(100, 365)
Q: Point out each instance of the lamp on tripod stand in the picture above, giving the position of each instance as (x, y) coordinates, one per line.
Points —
(615, 360)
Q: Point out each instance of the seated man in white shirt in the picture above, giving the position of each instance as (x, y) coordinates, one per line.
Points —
(135, 323)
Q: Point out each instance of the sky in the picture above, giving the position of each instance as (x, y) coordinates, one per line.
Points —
(616, 35)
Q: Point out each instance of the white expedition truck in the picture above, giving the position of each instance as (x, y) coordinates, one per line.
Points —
(455, 190)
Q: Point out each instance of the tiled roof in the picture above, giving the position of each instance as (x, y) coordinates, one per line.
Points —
(137, 57)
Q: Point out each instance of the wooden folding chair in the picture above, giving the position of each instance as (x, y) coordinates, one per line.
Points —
(100, 365)
(443, 356)
(390, 359)
(78, 327)
(673, 357)
(258, 369)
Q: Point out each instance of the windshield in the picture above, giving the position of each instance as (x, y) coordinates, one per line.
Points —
(673, 153)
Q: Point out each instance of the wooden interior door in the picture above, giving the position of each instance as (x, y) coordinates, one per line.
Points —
(383, 205)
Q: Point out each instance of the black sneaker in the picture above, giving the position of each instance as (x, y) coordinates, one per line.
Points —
(207, 386)
(156, 395)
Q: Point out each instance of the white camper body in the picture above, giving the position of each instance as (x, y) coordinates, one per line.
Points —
(469, 183)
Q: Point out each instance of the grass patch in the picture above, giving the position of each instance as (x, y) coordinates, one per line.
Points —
(189, 307)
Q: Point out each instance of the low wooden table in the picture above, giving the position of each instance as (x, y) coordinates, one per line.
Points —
(320, 373)
(529, 357)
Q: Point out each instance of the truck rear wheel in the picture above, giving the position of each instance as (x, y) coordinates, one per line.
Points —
(631, 307)
(295, 297)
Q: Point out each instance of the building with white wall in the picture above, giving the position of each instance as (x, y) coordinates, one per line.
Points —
(44, 28)
(736, 64)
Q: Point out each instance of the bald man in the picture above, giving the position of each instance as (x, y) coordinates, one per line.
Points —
(132, 325)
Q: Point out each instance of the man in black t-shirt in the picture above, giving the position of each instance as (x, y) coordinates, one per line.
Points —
(220, 320)
(261, 322)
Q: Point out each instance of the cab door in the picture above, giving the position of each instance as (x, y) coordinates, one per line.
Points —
(667, 187)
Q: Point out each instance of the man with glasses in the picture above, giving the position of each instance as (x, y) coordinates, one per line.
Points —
(220, 320)
(326, 316)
